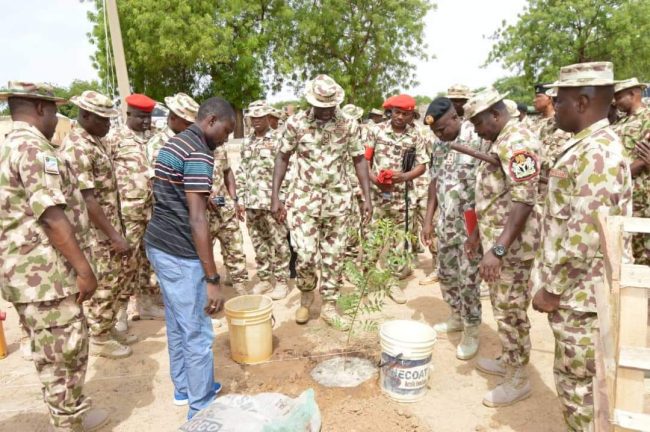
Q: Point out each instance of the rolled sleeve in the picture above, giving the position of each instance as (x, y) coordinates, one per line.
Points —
(44, 189)
(355, 144)
(197, 172)
(289, 140)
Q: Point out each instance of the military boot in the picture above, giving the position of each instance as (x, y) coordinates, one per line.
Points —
(123, 337)
(280, 291)
(429, 279)
(491, 366)
(94, 419)
(333, 318)
(148, 309)
(306, 300)
(515, 387)
(453, 324)
(397, 294)
(121, 318)
(262, 287)
(105, 346)
(468, 346)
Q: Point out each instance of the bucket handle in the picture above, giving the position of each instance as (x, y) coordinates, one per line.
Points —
(390, 364)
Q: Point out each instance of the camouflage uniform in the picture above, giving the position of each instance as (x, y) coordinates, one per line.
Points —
(320, 195)
(355, 218)
(224, 225)
(421, 192)
(389, 148)
(632, 129)
(495, 193)
(36, 278)
(254, 181)
(154, 145)
(455, 176)
(88, 158)
(128, 152)
(590, 175)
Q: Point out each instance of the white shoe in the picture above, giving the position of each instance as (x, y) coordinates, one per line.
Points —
(453, 324)
(280, 291)
(121, 319)
(469, 344)
(262, 287)
(515, 388)
(491, 366)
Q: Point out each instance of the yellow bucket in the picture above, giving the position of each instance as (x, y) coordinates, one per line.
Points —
(250, 328)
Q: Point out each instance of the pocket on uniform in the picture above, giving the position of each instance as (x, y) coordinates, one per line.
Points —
(575, 353)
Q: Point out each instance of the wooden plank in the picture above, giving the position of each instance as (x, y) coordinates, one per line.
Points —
(118, 53)
(631, 420)
(636, 225)
(635, 358)
(636, 276)
(610, 230)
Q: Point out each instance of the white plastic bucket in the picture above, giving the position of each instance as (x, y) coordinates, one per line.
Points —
(250, 328)
(405, 367)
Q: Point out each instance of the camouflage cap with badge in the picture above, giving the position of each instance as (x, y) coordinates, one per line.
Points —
(324, 92)
(459, 91)
(183, 106)
(27, 90)
(95, 103)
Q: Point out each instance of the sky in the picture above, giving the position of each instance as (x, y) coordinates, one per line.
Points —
(52, 45)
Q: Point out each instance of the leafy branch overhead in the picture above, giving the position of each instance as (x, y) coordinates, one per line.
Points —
(243, 50)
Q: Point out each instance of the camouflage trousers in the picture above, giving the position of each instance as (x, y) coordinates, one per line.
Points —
(138, 272)
(269, 239)
(59, 342)
(419, 213)
(224, 227)
(312, 236)
(111, 282)
(510, 298)
(398, 216)
(460, 282)
(354, 229)
(575, 365)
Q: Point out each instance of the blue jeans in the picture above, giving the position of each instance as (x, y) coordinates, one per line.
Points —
(189, 329)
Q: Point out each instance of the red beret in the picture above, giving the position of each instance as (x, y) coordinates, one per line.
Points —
(403, 102)
(141, 102)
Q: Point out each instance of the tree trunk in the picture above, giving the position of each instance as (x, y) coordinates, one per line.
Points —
(239, 124)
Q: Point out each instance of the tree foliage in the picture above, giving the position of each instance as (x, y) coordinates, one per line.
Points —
(550, 34)
(517, 88)
(242, 50)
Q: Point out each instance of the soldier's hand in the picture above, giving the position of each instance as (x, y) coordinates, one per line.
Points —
(211, 205)
(546, 302)
(278, 210)
(427, 234)
(643, 150)
(86, 284)
(490, 267)
(240, 211)
(215, 298)
(398, 177)
(367, 212)
(471, 248)
(119, 245)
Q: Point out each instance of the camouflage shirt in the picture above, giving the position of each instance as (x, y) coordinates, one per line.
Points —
(389, 148)
(221, 164)
(32, 179)
(514, 180)
(632, 129)
(255, 172)
(421, 184)
(129, 154)
(89, 160)
(154, 145)
(455, 177)
(590, 176)
(323, 150)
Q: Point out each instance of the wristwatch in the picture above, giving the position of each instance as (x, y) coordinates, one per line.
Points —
(213, 279)
(499, 250)
(235, 198)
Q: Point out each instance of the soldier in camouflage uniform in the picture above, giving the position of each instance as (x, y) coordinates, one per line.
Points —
(44, 233)
(632, 128)
(590, 176)
(453, 180)
(543, 104)
(320, 194)
(509, 233)
(128, 148)
(89, 160)
(389, 142)
(182, 114)
(254, 182)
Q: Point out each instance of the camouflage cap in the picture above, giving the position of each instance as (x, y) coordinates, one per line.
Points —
(586, 74)
(324, 92)
(512, 107)
(183, 106)
(552, 92)
(376, 111)
(31, 91)
(96, 103)
(628, 83)
(482, 101)
(258, 109)
(459, 91)
(277, 113)
(352, 112)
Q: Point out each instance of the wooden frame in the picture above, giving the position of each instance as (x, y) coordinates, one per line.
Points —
(622, 303)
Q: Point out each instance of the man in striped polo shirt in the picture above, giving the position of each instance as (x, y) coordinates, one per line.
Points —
(179, 247)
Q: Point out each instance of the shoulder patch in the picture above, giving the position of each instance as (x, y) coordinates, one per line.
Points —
(51, 164)
(524, 165)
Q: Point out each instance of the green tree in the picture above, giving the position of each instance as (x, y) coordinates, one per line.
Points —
(367, 47)
(550, 34)
(517, 89)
